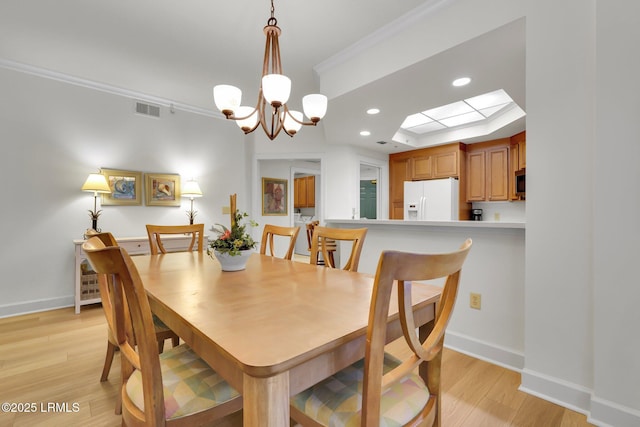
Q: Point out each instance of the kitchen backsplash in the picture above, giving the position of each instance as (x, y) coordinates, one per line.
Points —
(502, 211)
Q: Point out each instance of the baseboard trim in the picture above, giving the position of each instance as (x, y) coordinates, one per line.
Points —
(605, 413)
(497, 355)
(599, 411)
(564, 393)
(35, 306)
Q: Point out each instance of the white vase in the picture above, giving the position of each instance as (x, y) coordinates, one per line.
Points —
(233, 262)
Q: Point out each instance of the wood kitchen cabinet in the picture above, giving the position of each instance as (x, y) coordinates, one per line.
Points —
(519, 147)
(443, 161)
(517, 161)
(488, 171)
(304, 192)
(398, 173)
(438, 162)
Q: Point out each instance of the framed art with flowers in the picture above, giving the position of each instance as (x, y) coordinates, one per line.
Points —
(275, 196)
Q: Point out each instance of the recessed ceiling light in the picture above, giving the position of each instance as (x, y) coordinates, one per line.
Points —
(373, 111)
(462, 81)
(365, 133)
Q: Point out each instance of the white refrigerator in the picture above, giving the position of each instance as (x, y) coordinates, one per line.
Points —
(432, 200)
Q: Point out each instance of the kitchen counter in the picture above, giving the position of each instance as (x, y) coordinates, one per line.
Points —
(494, 268)
(402, 223)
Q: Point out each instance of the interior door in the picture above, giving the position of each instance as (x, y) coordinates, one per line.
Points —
(368, 199)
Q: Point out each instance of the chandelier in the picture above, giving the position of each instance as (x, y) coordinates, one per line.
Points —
(274, 91)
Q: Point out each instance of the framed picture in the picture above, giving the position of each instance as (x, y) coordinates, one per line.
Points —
(162, 189)
(274, 196)
(126, 187)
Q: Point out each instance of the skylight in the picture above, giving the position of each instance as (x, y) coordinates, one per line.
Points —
(459, 113)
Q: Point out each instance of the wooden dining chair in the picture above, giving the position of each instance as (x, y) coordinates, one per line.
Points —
(162, 331)
(268, 234)
(174, 388)
(155, 233)
(324, 241)
(309, 228)
(331, 245)
(390, 391)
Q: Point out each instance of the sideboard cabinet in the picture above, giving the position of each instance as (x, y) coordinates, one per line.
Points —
(86, 280)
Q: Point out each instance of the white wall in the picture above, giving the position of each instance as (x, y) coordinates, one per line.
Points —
(560, 139)
(580, 335)
(53, 135)
(616, 172)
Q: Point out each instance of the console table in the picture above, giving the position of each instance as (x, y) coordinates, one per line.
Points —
(86, 280)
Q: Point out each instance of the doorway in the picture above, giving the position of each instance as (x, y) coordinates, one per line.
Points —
(369, 189)
(368, 199)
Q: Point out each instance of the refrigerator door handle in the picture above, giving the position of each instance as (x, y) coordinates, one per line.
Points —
(423, 207)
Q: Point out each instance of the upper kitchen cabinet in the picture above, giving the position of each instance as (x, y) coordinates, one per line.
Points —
(443, 161)
(519, 148)
(488, 171)
(304, 192)
(436, 162)
(517, 162)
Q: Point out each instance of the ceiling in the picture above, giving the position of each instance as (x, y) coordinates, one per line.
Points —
(178, 50)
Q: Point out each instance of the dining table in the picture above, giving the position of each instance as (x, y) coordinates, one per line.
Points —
(274, 328)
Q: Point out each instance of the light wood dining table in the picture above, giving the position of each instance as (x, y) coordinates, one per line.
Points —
(273, 329)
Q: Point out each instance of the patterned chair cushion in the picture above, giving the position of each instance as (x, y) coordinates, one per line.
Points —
(337, 401)
(190, 385)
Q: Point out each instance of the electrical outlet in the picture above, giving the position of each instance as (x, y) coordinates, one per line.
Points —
(226, 210)
(475, 300)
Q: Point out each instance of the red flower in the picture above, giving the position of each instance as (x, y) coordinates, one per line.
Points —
(226, 235)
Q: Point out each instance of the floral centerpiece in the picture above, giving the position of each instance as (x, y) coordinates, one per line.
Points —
(232, 242)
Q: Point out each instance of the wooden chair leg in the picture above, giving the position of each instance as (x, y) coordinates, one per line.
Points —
(175, 341)
(118, 410)
(108, 359)
(160, 345)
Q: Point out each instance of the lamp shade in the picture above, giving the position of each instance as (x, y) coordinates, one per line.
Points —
(246, 118)
(314, 106)
(191, 189)
(96, 183)
(290, 125)
(276, 89)
(227, 98)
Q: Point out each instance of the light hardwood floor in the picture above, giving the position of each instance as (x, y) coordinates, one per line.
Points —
(56, 357)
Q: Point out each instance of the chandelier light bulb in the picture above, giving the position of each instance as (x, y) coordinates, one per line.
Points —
(314, 106)
(227, 98)
(291, 126)
(276, 89)
(247, 118)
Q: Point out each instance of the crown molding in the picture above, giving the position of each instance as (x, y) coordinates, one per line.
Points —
(102, 87)
(383, 33)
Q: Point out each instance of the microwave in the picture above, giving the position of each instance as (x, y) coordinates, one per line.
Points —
(521, 186)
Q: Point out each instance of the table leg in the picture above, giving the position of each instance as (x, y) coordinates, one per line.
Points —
(266, 401)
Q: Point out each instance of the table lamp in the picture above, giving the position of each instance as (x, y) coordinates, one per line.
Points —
(191, 189)
(98, 184)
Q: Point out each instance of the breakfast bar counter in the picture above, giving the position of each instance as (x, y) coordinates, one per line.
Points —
(402, 223)
(495, 269)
